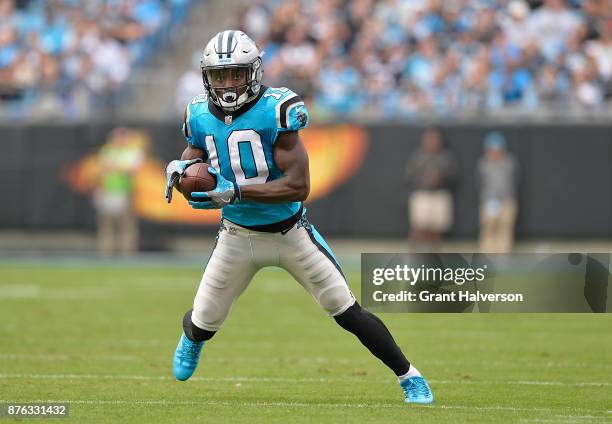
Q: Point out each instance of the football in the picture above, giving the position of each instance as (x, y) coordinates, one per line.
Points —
(197, 178)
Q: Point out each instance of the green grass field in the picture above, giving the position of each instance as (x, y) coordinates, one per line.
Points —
(102, 338)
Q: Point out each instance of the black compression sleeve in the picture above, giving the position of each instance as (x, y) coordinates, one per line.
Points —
(374, 335)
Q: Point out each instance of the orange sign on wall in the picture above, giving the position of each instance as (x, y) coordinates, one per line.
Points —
(335, 153)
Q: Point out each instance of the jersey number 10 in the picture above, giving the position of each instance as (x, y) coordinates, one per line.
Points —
(246, 155)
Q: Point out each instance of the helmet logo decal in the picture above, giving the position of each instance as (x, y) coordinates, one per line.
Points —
(225, 41)
(219, 48)
(230, 41)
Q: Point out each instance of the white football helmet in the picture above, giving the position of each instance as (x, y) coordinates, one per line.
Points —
(232, 49)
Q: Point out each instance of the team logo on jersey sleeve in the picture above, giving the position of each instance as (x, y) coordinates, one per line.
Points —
(302, 117)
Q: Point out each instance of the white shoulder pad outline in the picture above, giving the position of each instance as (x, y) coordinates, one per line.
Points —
(284, 107)
(186, 123)
(200, 98)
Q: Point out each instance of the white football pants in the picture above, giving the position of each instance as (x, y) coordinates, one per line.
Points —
(239, 253)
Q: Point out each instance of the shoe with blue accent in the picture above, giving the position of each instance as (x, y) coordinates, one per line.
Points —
(186, 358)
(416, 390)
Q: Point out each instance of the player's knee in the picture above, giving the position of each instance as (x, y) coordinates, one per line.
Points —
(210, 311)
(208, 316)
(336, 298)
(194, 332)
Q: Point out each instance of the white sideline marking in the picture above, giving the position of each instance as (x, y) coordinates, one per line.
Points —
(534, 364)
(19, 291)
(322, 360)
(562, 419)
(398, 405)
(161, 377)
(26, 291)
(293, 380)
(561, 383)
(66, 357)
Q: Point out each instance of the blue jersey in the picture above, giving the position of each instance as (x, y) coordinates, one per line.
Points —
(240, 146)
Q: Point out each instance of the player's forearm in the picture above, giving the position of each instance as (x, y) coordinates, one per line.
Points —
(284, 189)
(193, 153)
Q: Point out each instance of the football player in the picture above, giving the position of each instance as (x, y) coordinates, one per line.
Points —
(249, 134)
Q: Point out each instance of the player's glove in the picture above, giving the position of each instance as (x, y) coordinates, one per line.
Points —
(225, 193)
(174, 171)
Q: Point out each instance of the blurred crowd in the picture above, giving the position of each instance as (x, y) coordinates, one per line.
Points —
(69, 57)
(402, 58)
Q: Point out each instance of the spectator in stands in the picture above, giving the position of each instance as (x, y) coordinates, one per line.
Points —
(422, 56)
(552, 24)
(111, 62)
(476, 93)
(554, 87)
(8, 14)
(497, 175)
(601, 50)
(49, 98)
(515, 24)
(62, 58)
(421, 65)
(118, 161)
(408, 57)
(298, 54)
(339, 84)
(255, 19)
(9, 58)
(587, 91)
(594, 12)
(431, 173)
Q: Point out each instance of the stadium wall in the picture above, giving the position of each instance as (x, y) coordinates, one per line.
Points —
(564, 191)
